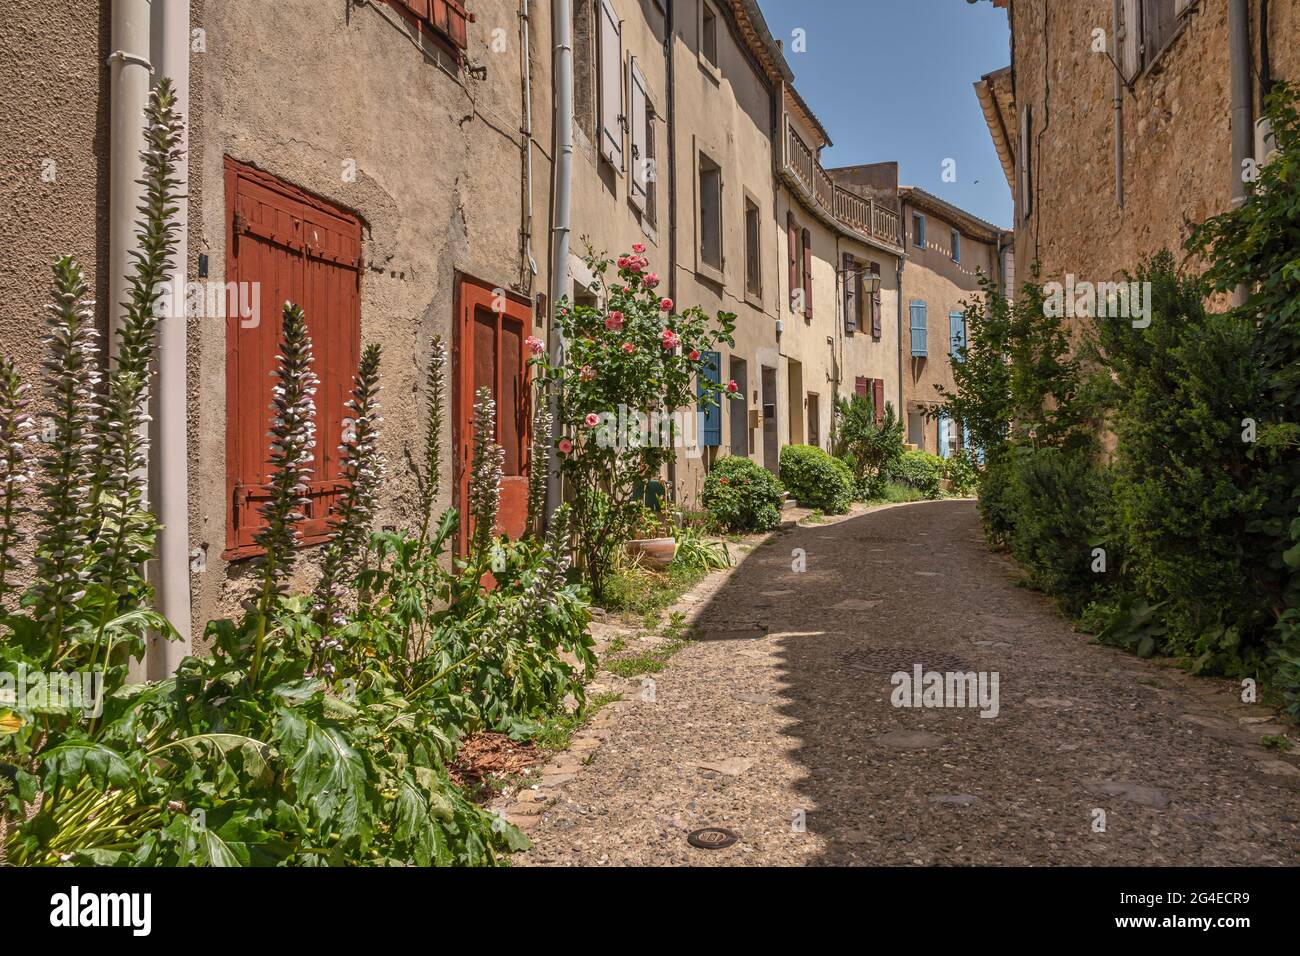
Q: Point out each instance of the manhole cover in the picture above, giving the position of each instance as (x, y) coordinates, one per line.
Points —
(889, 660)
(711, 838)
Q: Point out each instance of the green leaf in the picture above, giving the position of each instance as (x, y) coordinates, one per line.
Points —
(67, 764)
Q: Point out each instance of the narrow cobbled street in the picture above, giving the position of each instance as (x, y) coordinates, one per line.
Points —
(780, 711)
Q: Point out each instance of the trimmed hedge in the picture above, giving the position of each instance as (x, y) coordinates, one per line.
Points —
(922, 471)
(742, 496)
(817, 479)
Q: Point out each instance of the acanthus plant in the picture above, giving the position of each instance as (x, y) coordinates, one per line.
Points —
(636, 357)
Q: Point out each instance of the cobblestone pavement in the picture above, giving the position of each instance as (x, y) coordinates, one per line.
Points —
(781, 710)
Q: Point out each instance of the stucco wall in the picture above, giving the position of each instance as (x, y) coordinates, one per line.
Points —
(931, 276)
(54, 140)
(438, 185)
(1176, 134)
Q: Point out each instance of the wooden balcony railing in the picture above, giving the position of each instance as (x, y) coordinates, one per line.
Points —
(861, 215)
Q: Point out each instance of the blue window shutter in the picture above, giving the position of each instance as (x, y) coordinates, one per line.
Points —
(956, 333)
(919, 330)
(945, 425)
(710, 371)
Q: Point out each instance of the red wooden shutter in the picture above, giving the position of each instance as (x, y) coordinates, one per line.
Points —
(878, 396)
(807, 275)
(862, 386)
(792, 236)
(297, 248)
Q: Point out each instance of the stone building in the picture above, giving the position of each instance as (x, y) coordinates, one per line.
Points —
(948, 249)
(1123, 124)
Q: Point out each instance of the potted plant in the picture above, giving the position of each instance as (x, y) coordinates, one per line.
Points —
(653, 539)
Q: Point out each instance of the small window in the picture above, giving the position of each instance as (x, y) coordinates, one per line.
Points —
(956, 245)
(709, 34)
(710, 213)
(918, 230)
(444, 21)
(753, 260)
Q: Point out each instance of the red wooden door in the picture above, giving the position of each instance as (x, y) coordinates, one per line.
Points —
(491, 329)
(283, 244)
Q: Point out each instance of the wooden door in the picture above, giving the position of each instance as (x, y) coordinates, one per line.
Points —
(492, 326)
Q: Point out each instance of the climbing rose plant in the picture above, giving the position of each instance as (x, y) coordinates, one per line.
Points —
(628, 365)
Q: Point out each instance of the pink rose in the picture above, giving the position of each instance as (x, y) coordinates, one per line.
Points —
(695, 355)
(592, 419)
(566, 446)
(623, 262)
(670, 339)
(651, 280)
(629, 348)
(534, 345)
(614, 322)
(638, 247)
(587, 373)
(666, 304)
(732, 387)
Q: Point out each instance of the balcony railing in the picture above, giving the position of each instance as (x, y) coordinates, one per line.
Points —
(859, 214)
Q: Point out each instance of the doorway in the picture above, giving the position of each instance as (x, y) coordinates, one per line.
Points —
(738, 408)
(771, 440)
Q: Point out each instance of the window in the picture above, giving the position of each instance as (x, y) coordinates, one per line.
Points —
(956, 245)
(1149, 27)
(875, 304)
(639, 111)
(753, 257)
(611, 85)
(709, 34)
(814, 420)
(918, 230)
(296, 247)
(710, 214)
(918, 328)
(443, 21)
(916, 429)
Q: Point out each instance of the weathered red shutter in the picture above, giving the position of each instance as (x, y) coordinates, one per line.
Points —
(862, 386)
(878, 396)
(283, 244)
(792, 235)
(807, 275)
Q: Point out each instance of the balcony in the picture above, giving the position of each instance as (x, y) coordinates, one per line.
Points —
(837, 205)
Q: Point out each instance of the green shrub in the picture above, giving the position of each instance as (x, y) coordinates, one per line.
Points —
(870, 450)
(817, 479)
(697, 554)
(1059, 517)
(997, 501)
(962, 472)
(922, 471)
(742, 496)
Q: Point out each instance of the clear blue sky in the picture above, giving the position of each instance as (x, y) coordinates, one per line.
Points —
(892, 80)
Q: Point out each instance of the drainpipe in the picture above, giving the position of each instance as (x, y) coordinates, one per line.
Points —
(1119, 110)
(129, 72)
(560, 216)
(169, 464)
(902, 261)
(670, 121)
(1243, 129)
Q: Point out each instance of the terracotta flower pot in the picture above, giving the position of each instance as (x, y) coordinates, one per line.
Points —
(658, 552)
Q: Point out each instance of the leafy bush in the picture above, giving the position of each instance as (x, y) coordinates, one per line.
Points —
(962, 472)
(742, 496)
(697, 554)
(817, 479)
(922, 471)
(870, 450)
(1060, 501)
(997, 501)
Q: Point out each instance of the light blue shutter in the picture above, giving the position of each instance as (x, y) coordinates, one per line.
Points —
(945, 428)
(711, 429)
(918, 329)
(956, 334)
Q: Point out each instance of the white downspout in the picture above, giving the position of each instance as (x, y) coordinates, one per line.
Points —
(169, 467)
(129, 70)
(560, 221)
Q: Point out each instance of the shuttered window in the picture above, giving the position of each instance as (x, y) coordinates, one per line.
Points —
(443, 19)
(297, 248)
(711, 424)
(611, 85)
(851, 297)
(918, 328)
(807, 275)
(878, 398)
(638, 110)
(875, 304)
(956, 334)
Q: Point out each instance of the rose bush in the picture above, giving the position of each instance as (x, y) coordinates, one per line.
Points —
(742, 496)
(626, 366)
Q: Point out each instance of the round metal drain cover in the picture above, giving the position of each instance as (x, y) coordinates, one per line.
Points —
(712, 838)
(889, 660)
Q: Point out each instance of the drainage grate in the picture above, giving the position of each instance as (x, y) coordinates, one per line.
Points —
(889, 660)
(712, 838)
